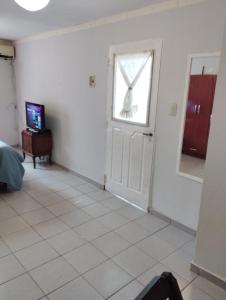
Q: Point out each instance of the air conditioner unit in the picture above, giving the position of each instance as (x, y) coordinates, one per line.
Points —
(7, 51)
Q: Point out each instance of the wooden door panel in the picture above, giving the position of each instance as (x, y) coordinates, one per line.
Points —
(199, 109)
(117, 155)
(189, 142)
(136, 157)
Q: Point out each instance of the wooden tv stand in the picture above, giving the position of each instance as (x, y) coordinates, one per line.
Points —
(37, 144)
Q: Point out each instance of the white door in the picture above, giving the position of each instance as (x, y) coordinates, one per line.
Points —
(132, 100)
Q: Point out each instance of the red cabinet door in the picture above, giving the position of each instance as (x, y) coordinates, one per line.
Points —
(198, 114)
(189, 142)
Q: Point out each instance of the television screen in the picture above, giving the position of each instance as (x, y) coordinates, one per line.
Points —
(35, 114)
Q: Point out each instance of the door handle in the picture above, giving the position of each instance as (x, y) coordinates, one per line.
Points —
(147, 134)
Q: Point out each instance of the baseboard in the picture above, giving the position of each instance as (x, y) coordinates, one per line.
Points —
(208, 275)
(151, 211)
(100, 186)
(159, 215)
(184, 227)
(173, 222)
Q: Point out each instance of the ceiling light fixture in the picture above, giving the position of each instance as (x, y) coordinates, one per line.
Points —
(32, 5)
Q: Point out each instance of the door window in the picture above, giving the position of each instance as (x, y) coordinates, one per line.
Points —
(132, 87)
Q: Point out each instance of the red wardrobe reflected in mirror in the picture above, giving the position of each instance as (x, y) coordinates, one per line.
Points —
(198, 114)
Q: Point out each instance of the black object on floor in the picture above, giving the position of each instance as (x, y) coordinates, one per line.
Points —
(161, 288)
(3, 187)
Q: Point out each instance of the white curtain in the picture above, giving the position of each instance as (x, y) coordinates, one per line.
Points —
(131, 67)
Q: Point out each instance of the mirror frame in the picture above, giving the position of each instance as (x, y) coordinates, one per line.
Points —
(183, 113)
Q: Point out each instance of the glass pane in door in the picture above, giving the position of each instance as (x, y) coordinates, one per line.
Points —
(132, 87)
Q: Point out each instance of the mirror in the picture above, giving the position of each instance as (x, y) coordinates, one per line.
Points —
(200, 91)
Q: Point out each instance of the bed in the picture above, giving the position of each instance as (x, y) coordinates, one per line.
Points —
(11, 168)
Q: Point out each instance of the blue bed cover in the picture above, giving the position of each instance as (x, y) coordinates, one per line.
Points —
(11, 168)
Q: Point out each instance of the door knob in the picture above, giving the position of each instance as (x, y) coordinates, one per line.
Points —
(147, 134)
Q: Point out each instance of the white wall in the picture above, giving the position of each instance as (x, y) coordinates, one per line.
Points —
(211, 65)
(8, 120)
(55, 72)
(211, 237)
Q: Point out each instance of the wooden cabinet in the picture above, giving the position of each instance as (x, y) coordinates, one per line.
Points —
(37, 144)
(198, 114)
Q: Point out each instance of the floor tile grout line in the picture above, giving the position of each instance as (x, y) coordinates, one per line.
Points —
(131, 245)
(32, 225)
(67, 262)
(30, 270)
(52, 192)
(47, 207)
(63, 199)
(52, 260)
(91, 241)
(18, 250)
(161, 261)
(98, 265)
(132, 279)
(113, 230)
(121, 289)
(13, 278)
(36, 284)
(20, 214)
(27, 272)
(88, 242)
(202, 290)
(79, 273)
(139, 241)
(71, 186)
(189, 283)
(111, 210)
(74, 279)
(175, 250)
(71, 228)
(43, 238)
(21, 274)
(91, 217)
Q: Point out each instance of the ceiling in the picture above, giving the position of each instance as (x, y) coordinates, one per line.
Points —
(16, 22)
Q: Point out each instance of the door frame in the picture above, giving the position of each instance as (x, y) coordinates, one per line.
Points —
(184, 110)
(135, 46)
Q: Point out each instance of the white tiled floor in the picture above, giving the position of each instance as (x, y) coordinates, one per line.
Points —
(63, 238)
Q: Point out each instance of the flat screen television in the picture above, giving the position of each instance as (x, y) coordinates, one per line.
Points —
(35, 116)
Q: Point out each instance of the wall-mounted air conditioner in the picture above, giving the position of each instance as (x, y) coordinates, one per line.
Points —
(6, 50)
